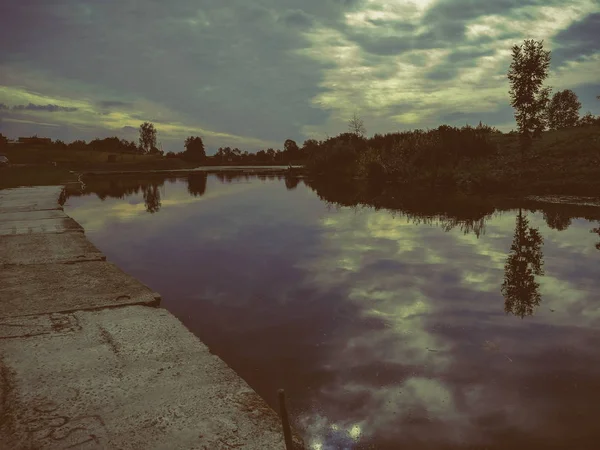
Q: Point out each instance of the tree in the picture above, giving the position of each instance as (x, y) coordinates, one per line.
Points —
(588, 120)
(527, 72)
(563, 110)
(357, 126)
(291, 148)
(194, 149)
(309, 147)
(147, 138)
(520, 290)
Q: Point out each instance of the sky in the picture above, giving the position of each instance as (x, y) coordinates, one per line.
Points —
(253, 74)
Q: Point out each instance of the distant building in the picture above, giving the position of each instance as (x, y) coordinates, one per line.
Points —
(34, 140)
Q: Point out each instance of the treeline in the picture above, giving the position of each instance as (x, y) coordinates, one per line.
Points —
(404, 155)
(291, 154)
(110, 144)
(146, 143)
(481, 157)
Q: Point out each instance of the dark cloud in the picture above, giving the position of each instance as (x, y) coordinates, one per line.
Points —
(462, 11)
(47, 108)
(298, 18)
(3, 107)
(580, 39)
(448, 68)
(114, 104)
(128, 128)
(232, 68)
(249, 68)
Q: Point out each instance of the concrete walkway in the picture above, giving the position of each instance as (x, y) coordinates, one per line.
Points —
(87, 360)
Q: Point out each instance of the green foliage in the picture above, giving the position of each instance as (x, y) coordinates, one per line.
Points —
(194, 149)
(588, 120)
(563, 110)
(356, 126)
(527, 72)
(337, 155)
(110, 144)
(291, 148)
(404, 156)
(147, 139)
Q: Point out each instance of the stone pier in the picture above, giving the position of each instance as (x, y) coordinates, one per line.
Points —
(89, 360)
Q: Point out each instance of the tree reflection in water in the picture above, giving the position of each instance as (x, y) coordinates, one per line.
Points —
(197, 184)
(524, 262)
(151, 195)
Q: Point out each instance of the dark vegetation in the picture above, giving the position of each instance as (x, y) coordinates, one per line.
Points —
(554, 150)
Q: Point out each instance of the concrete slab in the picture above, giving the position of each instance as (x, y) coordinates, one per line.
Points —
(143, 381)
(30, 198)
(48, 288)
(21, 216)
(47, 248)
(16, 227)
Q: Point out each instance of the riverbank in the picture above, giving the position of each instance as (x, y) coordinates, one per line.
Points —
(565, 161)
(88, 360)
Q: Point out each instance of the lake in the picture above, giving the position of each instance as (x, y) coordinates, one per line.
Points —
(392, 320)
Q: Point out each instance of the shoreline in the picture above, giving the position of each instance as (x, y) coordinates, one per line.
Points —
(82, 340)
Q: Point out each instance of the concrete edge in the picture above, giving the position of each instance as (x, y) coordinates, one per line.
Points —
(298, 442)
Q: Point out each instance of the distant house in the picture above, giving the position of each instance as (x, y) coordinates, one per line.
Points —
(34, 140)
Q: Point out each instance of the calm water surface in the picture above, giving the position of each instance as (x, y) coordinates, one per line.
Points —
(461, 325)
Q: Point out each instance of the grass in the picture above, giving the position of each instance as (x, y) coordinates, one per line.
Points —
(34, 165)
(11, 177)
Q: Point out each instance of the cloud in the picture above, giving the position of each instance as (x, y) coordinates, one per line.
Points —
(578, 40)
(298, 18)
(260, 72)
(114, 104)
(46, 108)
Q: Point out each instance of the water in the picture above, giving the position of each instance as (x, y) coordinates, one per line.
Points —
(419, 322)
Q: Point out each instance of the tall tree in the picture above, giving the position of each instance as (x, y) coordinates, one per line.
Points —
(357, 126)
(147, 137)
(194, 149)
(563, 110)
(520, 290)
(291, 148)
(527, 72)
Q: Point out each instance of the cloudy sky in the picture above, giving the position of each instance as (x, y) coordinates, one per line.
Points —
(254, 73)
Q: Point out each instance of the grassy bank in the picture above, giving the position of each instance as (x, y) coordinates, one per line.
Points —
(469, 159)
(11, 177)
(37, 165)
